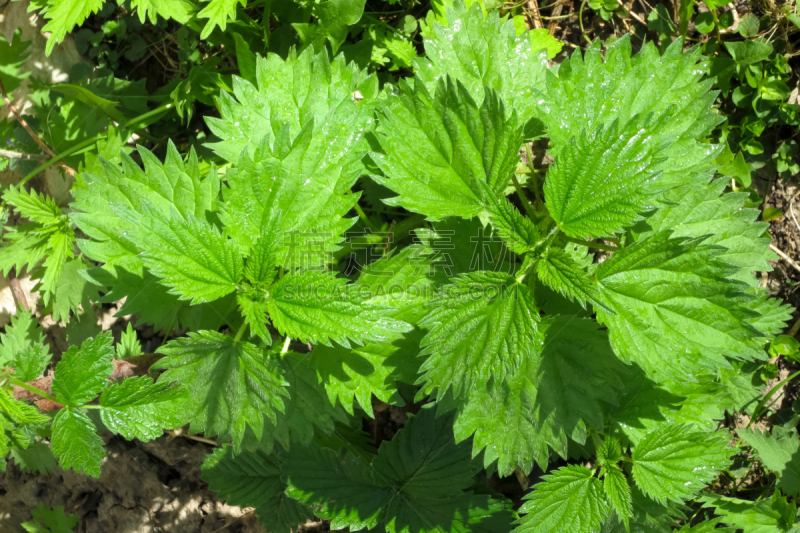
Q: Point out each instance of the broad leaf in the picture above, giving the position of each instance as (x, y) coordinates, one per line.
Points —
(482, 326)
(773, 515)
(675, 462)
(603, 179)
(22, 347)
(445, 154)
(190, 255)
(779, 455)
(677, 313)
(318, 307)
(83, 371)
(569, 499)
(559, 271)
(484, 50)
(139, 408)
(75, 442)
(233, 384)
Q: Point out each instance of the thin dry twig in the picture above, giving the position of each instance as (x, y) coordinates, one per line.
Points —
(784, 257)
(8, 154)
(32, 133)
(19, 294)
(536, 18)
(632, 13)
(557, 9)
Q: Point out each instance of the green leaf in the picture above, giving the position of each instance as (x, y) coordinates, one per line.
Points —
(178, 10)
(748, 52)
(36, 458)
(416, 483)
(445, 155)
(13, 56)
(779, 456)
(71, 290)
(265, 255)
(483, 50)
(773, 515)
(559, 271)
(20, 412)
(601, 180)
(245, 58)
(542, 40)
(64, 15)
(217, 12)
(83, 372)
(677, 313)
(128, 345)
(305, 184)
(35, 207)
(53, 518)
(109, 205)
(559, 390)
(697, 210)
(569, 499)
(23, 247)
(82, 94)
(22, 346)
(675, 462)
(291, 94)
(253, 479)
(75, 442)
(518, 232)
(233, 384)
(190, 255)
(139, 408)
(483, 325)
(618, 492)
(602, 88)
(318, 307)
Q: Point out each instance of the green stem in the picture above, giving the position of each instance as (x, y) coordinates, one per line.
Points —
(362, 215)
(716, 26)
(580, 19)
(765, 399)
(592, 244)
(286, 343)
(524, 199)
(240, 333)
(31, 388)
(534, 176)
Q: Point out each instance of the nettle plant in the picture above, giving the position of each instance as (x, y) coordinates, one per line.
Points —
(602, 316)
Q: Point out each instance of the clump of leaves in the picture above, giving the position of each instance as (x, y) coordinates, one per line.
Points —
(496, 312)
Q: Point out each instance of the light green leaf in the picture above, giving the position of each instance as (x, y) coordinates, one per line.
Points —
(483, 50)
(445, 154)
(83, 372)
(517, 231)
(178, 10)
(109, 205)
(190, 255)
(82, 94)
(559, 271)
(779, 456)
(602, 180)
(71, 290)
(484, 325)
(22, 346)
(618, 492)
(139, 408)
(233, 384)
(217, 12)
(773, 515)
(675, 462)
(64, 15)
(23, 247)
(677, 311)
(569, 499)
(318, 307)
(20, 412)
(35, 207)
(75, 442)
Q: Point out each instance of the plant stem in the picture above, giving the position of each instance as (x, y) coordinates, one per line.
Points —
(766, 398)
(716, 26)
(534, 176)
(524, 199)
(31, 388)
(592, 244)
(59, 157)
(240, 333)
(286, 345)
